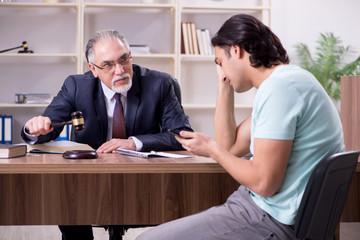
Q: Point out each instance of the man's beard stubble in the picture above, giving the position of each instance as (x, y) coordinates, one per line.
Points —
(121, 89)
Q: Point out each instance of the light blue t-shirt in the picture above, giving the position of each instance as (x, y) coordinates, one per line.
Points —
(292, 105)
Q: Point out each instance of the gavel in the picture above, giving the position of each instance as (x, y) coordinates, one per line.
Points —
(24, 46)
(77, 121)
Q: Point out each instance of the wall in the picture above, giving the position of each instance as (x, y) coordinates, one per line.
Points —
(302, 21)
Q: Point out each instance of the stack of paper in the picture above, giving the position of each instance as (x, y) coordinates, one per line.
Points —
(40, 98)
(140, 49)
(150, 154)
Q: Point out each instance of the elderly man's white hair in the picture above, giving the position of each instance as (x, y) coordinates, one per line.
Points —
(98, 36)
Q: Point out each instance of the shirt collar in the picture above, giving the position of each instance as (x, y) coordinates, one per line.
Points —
(109, 93)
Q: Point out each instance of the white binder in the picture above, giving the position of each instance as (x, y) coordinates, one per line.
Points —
(7, 128)
(1, 129)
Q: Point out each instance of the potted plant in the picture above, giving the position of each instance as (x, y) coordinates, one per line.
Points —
(328, 64)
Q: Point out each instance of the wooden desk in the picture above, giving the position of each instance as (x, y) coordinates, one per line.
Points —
(46, 189)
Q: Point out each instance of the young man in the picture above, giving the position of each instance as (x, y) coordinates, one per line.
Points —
(150, 107)
(293, 126)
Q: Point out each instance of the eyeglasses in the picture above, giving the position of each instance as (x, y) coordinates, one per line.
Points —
(108, 66)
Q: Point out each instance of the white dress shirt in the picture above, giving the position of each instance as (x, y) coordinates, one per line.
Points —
(110, 106)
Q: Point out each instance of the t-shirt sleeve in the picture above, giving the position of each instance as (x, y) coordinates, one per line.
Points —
(276, 111)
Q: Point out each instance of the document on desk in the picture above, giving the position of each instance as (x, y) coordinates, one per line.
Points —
(150, 154)
(58, 147)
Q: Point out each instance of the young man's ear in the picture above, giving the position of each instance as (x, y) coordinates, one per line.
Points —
(92, 69)
(237, 51)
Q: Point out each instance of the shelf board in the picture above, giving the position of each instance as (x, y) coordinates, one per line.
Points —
(188, 57)
(22, 105)
(192, 106)
(38, 5)
(38, 55)
(129, 5)
(224, 8)
(154, 55)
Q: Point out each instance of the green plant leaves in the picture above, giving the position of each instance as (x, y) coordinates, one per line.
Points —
(328, 64)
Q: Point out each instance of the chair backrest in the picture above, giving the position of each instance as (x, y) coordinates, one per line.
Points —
(325, 196)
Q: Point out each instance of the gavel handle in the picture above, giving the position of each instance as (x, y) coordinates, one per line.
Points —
(24, 45)
(6, 50)
(61, 124)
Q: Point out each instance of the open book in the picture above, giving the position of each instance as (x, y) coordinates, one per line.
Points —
(57, 147)
(150, 154)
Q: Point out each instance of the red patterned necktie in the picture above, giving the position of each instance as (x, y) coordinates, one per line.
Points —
(119, 129)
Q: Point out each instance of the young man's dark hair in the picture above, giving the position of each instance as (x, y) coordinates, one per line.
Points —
(256, 38)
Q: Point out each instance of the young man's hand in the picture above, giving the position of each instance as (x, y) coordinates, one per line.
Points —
(197, 143)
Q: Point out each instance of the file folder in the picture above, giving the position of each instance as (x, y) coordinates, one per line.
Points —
(7, 128)
(65, 134)
(1, 129)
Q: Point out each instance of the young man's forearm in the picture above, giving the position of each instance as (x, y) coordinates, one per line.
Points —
(224, 119)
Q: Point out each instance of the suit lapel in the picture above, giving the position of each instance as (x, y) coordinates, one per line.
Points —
(100, 107)
(133, 100)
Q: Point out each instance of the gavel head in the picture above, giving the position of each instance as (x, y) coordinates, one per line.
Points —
(77, 121)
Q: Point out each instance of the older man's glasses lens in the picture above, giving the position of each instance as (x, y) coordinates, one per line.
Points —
(111, 65)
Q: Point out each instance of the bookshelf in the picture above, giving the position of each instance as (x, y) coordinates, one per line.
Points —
(58, 32)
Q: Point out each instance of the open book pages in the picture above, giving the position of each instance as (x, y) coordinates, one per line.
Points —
(150, 154)
(57, 147)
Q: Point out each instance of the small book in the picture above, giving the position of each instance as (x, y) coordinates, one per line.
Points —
(140, 49)
(194, 38)
(190, 37)
(12, 150)
(204, 42)
(185, 38)
(150, 154)
(208, 42)
(58, 147)
(200, 42)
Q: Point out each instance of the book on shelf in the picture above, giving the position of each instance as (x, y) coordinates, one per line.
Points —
(150, 154)
(185, 39)
(200, 42)
(204, 42)
(191, 47)
(195, 41)
(139, 49)
(12, 150)
(208, 42)
(32, 98)
(58, 147)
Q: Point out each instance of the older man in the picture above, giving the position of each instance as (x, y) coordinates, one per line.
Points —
(123, 105)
